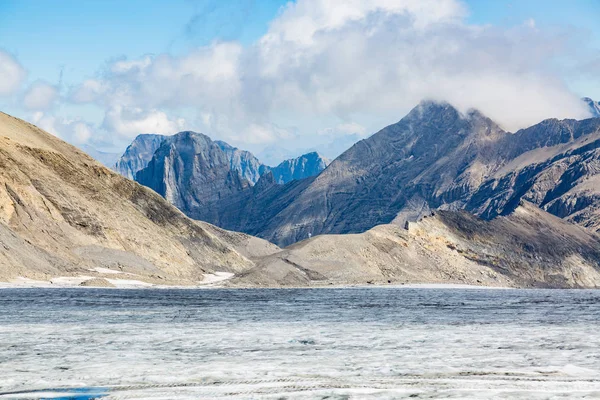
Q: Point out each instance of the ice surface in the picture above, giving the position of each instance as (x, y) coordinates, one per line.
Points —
(379, 343)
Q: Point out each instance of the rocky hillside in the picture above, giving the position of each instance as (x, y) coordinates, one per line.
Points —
(434, 157)
(64, 214)
(528, 248)
(561, 173)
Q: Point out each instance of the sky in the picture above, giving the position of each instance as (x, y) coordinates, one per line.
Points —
(283, 77)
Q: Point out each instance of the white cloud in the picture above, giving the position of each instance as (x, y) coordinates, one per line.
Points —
(347, 128)
(87, 92)
(129, 122)
(73, 131)
(342, 60)
(40, 96)
(12, 74)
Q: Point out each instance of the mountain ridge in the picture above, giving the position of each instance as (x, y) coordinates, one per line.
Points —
(434, 157)
(66, 218)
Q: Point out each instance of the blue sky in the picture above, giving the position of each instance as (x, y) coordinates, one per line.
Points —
(64, 43)
(77, 37)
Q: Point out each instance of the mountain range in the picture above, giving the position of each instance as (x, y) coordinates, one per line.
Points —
(140, 152)
(435, 157)
(194, 173)
(63, 215)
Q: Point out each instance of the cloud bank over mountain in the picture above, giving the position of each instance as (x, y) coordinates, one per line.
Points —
(344, 67)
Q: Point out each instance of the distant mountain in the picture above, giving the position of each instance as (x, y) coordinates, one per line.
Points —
(307, 165)
(594, 106)
(196, 174)
(138, 154)
(142, 149)
(434, 157)
(191, 171)
(329, 148)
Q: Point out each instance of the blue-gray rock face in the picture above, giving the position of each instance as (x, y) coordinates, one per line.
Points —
(594, 106)
(305, 166)
(201, 176)
(138, 154)
(243, 161)
(192, 172)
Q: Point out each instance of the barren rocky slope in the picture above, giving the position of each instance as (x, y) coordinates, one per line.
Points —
(529, 248)
(63, 214)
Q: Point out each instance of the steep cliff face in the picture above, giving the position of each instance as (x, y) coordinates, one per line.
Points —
(203, 178)
(138, 154)
(307, 165)
(192, 172)
(64, 214)
(244, 162)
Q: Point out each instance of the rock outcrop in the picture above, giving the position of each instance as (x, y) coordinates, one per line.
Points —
(201, 177)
